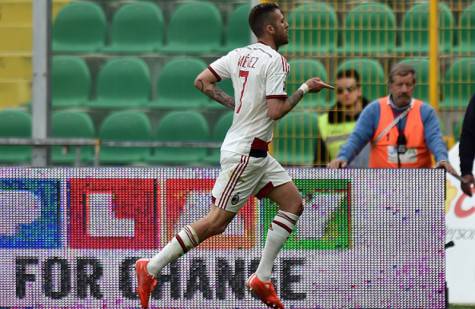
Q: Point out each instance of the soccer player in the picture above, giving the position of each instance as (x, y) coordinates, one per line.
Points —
(258, 73)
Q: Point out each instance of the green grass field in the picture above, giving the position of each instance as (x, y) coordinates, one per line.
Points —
(452, 306)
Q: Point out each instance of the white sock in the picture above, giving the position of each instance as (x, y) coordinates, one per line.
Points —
(279, 230)
(185, 240)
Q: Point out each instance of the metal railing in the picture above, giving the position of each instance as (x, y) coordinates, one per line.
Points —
(98, 143)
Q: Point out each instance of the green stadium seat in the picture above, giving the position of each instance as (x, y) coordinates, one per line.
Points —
(137, 27)
(466, 30)
(80, 26)
(195, 27)
(217, 135)
(124, 125)
(369, 28)
(237, 35)
(180, 126)
(415, 29)
(175, 85)
(123, 83)
(421, 66)
(294, 138)
(72, 124)
(15, 123)
(312, 29)
(458, 84)
(70, 82)
(300, 71)
(371, 73)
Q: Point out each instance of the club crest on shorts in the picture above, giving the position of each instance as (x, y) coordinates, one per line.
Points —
(235, 199)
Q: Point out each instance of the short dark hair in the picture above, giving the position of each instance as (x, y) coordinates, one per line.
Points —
(401, 69)
(349, 73)
(259, 17)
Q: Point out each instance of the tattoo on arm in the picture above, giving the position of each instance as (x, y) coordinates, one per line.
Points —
(218, 95)
(294, 98)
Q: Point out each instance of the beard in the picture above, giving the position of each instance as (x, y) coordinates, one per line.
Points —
(281, 40)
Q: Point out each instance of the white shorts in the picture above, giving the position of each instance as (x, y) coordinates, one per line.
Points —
(242, 176)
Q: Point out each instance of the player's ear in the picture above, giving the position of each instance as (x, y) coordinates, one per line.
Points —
(270, 28)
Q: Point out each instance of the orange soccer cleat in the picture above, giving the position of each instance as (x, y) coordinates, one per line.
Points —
(265, 291)
(145, 282)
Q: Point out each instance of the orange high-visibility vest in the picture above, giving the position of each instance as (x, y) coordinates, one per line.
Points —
(384, 152)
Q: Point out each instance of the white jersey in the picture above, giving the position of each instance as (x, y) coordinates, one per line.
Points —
(258, 72)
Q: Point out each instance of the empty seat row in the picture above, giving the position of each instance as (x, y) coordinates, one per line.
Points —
(294, 138)
(125, 82)
(194, 27)
(126, 125)
(370, 27)
(293, 144)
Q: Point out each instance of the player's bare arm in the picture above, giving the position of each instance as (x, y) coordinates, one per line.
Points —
(278, 108)
(206, 83)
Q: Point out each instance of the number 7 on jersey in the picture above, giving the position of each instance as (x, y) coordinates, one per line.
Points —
(243, 74)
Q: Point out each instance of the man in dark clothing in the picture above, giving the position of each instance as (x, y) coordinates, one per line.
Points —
(467, 148)
(336, 126)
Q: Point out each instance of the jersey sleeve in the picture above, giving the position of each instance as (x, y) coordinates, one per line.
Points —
(276, 77)
(221, 67)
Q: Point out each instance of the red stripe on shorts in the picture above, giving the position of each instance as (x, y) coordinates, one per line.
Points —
(233, 181)
(229, 183)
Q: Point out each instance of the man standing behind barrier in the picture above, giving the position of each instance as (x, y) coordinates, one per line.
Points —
(403, 131)
(258, 73)
(467, 148)
(336, 126)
